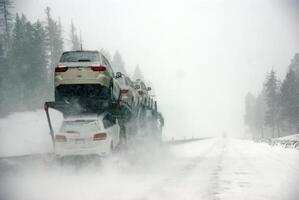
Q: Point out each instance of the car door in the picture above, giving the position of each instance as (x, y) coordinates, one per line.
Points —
(114, 129)
(108, 126)
(111, 128)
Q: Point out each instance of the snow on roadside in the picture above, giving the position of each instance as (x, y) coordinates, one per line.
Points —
(26, 133)
(250, 170)
(294, 137)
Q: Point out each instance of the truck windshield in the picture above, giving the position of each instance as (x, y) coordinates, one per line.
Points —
(80, 56)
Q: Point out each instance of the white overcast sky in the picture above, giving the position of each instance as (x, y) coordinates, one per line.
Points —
(202, 57)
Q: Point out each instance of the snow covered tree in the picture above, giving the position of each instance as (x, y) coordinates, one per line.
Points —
(5, 30)
(259, 114)
(255, 115)
(271, 98)
(18, 57)
(54, 39)
(106, 54)
(75, 43)
(137, 73)
(54, 47)
(295, 64)
(289, 100)
(39, 63)
(6, 19)
(26, 76)
(249, 111)
(118, 63)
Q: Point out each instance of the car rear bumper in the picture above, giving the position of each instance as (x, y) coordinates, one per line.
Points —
(100, 148)
(102, 80)
(126, 98)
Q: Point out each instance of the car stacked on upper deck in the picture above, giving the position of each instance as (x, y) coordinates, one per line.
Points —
(88, 76)
(84, 75)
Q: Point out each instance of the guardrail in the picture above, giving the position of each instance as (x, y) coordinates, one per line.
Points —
(181, 141)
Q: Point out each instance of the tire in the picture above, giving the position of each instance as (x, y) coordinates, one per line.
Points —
(111, 147)
(111, 92)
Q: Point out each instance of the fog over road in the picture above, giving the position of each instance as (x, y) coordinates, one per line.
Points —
(208, 169)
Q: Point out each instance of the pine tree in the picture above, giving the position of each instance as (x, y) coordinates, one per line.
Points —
(5, 29)
(106, 54)
(54, 47)
(289, 100)
(118, 63)
(75, 43)
(39, 63)
(295, 64)
(5, 23)
(137, 73)
(18, 62)
(249, 111)
(27, 73)
(259, 114)
(271, 98)
(54, 38)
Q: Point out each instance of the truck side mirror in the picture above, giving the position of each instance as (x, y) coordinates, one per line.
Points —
(118, 75)
(149, 89)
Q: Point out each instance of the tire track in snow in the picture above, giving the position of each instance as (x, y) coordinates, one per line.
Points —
(164, 188)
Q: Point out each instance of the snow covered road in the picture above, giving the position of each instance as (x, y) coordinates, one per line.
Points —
(208, 169)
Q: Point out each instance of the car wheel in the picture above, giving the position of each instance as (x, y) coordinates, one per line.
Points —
(111, 92)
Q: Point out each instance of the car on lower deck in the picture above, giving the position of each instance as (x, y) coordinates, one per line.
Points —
(84, 75)
(87, 135)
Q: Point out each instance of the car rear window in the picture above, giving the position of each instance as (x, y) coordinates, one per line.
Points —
(79, 126)
(80, 56)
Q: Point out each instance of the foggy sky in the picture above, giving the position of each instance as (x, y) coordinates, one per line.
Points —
(202, 57)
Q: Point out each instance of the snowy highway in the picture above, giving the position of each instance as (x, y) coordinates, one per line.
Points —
(207, 169)
(149, 100)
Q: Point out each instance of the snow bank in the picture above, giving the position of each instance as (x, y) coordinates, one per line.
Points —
(290, 141)
(289, 137)
(26, 133)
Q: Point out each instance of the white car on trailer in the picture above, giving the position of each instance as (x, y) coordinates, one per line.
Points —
(87, 135)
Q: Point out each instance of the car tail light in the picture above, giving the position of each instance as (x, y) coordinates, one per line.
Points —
(100, 136)
(60, 138)
(98, 68)
(140, 92)
(61, 69)
(124, 91)
(46, 106)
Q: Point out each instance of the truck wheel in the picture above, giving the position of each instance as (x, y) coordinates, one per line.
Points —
(111, 147)
(111, 92)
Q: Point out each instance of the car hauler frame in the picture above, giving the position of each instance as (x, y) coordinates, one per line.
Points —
(121, 110)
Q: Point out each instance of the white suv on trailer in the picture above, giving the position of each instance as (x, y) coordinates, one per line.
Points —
(87, 135)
